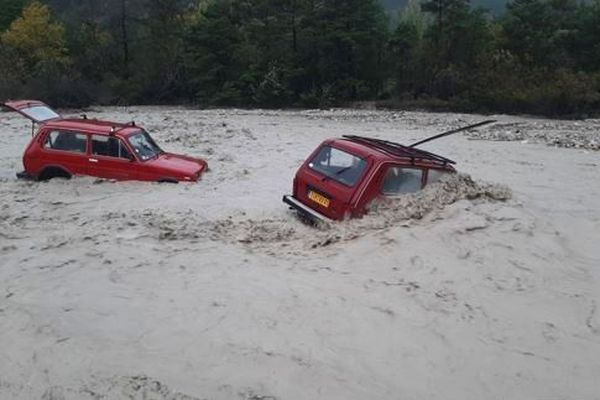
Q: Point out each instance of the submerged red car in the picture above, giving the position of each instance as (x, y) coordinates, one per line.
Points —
(343, 176)
(63, 147)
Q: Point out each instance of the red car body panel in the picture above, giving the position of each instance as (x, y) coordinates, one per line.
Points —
(39, 156)
(171, 166)
(343, 200)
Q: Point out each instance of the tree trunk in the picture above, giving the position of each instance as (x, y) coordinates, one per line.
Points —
(124, 39)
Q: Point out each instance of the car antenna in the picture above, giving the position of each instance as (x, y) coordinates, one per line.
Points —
(453, 131)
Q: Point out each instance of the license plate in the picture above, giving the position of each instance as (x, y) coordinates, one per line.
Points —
(319, 199)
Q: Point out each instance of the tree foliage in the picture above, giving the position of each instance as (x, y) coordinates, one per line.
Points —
(541, 56)
(11, 9)
(36, 38)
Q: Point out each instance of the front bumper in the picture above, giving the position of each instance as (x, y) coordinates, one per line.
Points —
(305, 211)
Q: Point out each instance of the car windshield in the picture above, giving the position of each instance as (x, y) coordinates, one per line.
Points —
(145, 147)
(338, 165)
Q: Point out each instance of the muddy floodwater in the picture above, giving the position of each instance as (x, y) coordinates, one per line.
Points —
(483, 286)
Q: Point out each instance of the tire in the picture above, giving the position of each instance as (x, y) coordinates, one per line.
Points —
(53, 172)
(168, 180)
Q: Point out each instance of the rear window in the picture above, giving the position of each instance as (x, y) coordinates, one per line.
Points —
(40, 113)
(338, 165)
(67, 141)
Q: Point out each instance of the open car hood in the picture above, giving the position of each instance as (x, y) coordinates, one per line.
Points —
(34, 110)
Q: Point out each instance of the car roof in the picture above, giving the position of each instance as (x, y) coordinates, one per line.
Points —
(95, 126)
(383, 151)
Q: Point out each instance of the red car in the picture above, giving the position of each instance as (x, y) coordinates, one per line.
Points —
(343, 176)
(64, 147)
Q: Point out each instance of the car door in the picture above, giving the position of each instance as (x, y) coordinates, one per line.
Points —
(110, 158)
(67, 150)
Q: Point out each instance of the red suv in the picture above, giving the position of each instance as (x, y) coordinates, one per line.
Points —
(64, 147)
(343, 176)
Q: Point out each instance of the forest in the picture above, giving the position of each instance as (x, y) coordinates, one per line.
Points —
(537, 57)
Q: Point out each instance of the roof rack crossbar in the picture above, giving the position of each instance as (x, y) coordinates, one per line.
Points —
(392, 148)
(453, 131)
(399, 150)
(419, 152)
(119, 126)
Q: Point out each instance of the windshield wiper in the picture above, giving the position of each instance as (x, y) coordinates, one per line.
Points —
(341, 171)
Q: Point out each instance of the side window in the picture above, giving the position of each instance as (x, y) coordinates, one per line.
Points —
(402, 180)
(109, 146)
(66, 141)
(434, 175)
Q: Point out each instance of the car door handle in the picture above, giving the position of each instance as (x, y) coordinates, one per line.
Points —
(92, 160)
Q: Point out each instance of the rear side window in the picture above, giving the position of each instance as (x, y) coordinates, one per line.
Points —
(338, 165)
(67, 141)
(402, 180)
(434, 175)
(109, 147)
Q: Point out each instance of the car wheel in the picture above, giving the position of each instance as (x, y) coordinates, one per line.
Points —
(53, 172)
(167, 180)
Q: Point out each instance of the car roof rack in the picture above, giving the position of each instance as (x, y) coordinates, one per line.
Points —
(412, 152)
(117, 127)
(399, 150)
(452, 132)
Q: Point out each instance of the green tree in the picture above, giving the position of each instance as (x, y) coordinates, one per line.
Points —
(539, 31)
(585, 45)
(413, 15)
(38, 62)
(458, 34)
(271, 52)
(158, 61)
(406, 49)
(37, 39)
(351, 41)
(11, 9)
(455, 41)
(214, 56)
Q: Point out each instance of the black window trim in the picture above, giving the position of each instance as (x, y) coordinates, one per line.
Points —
(121, 140)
